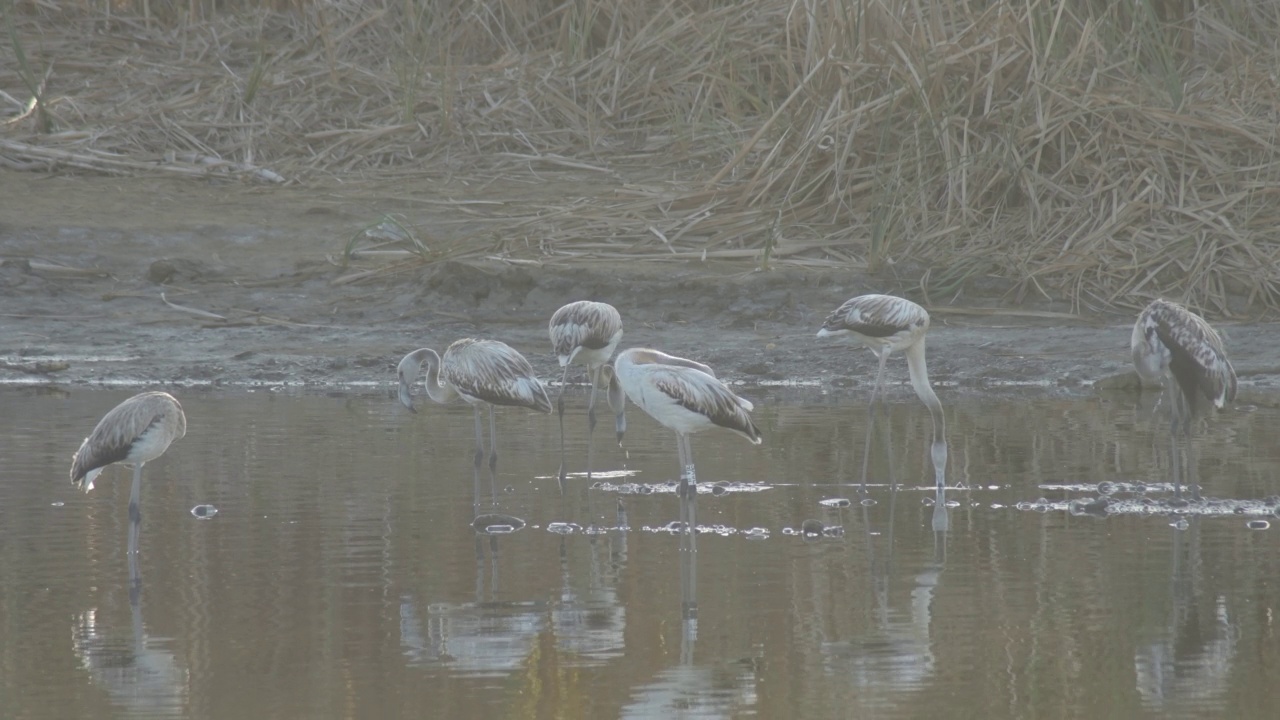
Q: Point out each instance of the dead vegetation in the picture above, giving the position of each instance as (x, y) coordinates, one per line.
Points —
(1099, 152)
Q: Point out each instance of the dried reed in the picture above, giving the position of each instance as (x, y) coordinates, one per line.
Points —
(1096, 151)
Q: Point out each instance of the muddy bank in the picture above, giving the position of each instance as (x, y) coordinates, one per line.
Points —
(252, 295)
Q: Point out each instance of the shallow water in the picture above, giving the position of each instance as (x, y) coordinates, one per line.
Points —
(341, 576)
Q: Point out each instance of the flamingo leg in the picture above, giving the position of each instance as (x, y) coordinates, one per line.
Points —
(493, 456)
(683, 463)
(135, 512)
(561, 476)
(871, 417)
(689, 477)
(689, 518)
(479, 455)
(593, 372)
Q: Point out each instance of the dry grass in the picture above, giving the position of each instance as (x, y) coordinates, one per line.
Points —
(1101, 152)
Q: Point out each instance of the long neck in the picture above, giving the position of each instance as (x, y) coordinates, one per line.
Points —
(437, 392)
(920, 381)
(617, 401)
(411, 367)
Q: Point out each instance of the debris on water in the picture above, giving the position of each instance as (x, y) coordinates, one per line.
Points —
(719, 488)
(1089, 506)
(1147, 505)
(204, 512)
(496, 524)
(1257, 524)
(564, 528)
(811, 529)
(1107, 488)
(867, 502)
(927, 501)
(509, 489)
(756, 533)
(57, 503)
(835, 502)
(1180, 524)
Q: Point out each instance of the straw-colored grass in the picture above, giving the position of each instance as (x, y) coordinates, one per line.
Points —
(1095, 151)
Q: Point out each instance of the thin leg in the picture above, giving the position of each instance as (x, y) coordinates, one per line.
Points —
(1191, 473)
(479, 456)
(493, 456)
(135, 512)
(560, 409)
(888, 440)
(689, 477)
(593, 374)
(689, 517)
(683, 463)
(871, 418)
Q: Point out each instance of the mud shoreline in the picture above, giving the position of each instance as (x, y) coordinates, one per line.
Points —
(250, 299)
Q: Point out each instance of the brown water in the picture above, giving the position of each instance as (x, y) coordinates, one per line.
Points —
(341, 577)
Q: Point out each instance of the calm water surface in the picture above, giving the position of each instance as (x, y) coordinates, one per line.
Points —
(341, 576)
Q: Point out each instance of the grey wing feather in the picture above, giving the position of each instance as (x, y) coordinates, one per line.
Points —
(876, 316)
(113, 437)
(586, 324)
(709, 397)
(1198, 360)
(495, 373)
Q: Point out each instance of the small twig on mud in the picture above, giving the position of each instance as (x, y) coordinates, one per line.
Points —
(193, 311)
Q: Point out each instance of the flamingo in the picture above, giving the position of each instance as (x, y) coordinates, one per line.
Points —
(887, 324)
(684, 396)
(135, 432)
(1172, 346)
(480, 372)
(586, 333)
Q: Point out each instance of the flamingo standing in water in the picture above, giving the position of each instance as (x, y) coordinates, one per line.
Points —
(480, 372)
(1176, 349)
(683, 395)
(585, 333)
(135, 432)
(889, 324)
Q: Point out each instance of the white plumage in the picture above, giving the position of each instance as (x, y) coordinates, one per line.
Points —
(889, 324)
(134, 432)
(583, 333)
(683, 395)
(480, 372)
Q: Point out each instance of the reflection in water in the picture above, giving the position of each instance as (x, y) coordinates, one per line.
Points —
(140, 673)
(898, 655)
(344, 579)
(690, 689)
(1190, 663)
(591, 625)
(487, 637)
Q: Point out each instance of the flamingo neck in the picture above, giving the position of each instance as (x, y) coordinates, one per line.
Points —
(435, 390)
(920, 382)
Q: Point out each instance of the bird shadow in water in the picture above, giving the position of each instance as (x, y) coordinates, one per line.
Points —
(139, 673)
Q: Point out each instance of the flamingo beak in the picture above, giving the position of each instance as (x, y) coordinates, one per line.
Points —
(406, 398)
